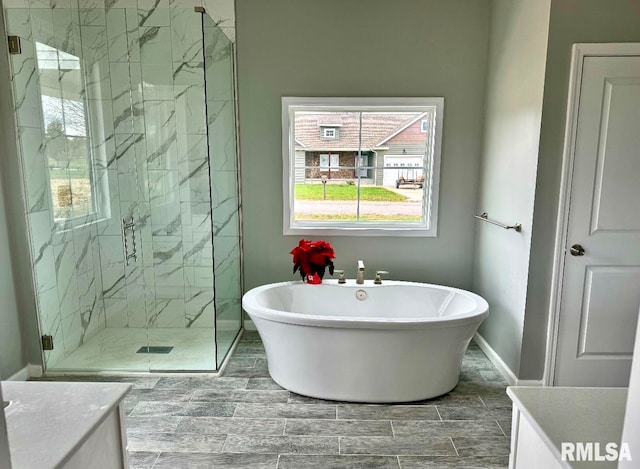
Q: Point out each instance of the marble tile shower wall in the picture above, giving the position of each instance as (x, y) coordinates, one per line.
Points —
(161, 168)
(145, 94)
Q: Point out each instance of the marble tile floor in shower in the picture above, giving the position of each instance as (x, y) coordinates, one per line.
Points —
(116, 349)
(245, 420)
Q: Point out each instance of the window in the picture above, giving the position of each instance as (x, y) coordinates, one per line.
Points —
(329, 162)
(329, 133)
(67, 145)
(380, 178)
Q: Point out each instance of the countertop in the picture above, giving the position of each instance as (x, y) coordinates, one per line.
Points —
(563, 414)
(48, 421)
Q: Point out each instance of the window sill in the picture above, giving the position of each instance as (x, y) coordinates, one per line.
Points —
(64, 225)
(414, 232)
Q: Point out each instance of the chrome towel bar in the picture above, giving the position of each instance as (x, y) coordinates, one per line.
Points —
(485, 217)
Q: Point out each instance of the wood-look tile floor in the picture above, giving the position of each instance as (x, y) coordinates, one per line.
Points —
(245, 420)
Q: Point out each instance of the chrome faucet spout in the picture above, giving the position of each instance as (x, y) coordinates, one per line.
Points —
(360, 274)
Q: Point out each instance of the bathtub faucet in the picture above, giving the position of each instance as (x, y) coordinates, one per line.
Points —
(360, 275)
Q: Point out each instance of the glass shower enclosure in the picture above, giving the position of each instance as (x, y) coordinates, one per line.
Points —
(126, 120)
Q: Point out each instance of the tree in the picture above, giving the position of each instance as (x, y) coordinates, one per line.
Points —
(55, 144)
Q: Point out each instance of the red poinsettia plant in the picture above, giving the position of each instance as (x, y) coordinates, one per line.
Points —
(312, 258)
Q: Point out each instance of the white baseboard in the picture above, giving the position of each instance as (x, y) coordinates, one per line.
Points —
(530, 382)
(29, 371)
(491, 354)
(35, 371)
(502, 367)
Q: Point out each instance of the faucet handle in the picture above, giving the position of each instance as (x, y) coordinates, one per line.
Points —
(379, 273)
(361, 266)
(341, 278)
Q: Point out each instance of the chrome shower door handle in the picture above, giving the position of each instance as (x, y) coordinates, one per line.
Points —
(133, 254)
(134, 251)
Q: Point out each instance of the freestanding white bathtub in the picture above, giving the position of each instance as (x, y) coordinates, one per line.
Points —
(395, 342)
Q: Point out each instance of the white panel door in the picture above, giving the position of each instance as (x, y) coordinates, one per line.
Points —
(601, 285)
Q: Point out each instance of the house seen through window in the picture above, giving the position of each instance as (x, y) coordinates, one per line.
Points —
(379, 173)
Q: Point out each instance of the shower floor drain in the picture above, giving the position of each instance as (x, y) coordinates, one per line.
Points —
(155, 349)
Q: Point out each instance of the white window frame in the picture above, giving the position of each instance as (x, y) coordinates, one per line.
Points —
(424, 126)
(428, 228)
(329, 133)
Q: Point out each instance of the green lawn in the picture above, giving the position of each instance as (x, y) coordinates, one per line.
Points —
(347, 192)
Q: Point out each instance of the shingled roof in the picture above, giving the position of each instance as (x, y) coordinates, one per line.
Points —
(376, 128)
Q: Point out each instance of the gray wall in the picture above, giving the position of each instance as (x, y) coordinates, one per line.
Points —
(507, 179)
(362, 48)
(11, 350)
(571, 22)
(12, 357)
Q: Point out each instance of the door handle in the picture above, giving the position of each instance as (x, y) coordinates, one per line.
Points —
(130, 225)
(576, 250)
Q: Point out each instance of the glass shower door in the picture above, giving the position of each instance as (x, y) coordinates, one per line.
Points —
(224, 174)
(179, 235)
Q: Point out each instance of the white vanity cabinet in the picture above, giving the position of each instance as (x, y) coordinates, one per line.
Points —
(66, 425)
(546, 417)
(4, 442)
